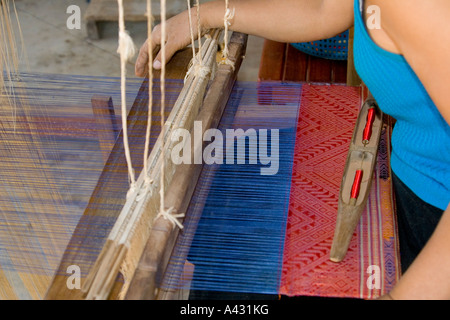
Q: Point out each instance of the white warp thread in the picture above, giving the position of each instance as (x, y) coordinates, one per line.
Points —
(168, 215)
(227, 21)
(126, 51)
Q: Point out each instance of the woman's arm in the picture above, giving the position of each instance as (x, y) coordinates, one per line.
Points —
(280, 20)
(421, 33)
(429, 275)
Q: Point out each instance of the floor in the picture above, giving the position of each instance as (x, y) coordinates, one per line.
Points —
(51, 47)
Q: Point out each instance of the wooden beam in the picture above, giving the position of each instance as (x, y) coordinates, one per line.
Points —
(103, 109)
(283, 62)
(319, 70)
(154, 261)
(272, 61)
(134, 11)
(295, 65)
(353, 78)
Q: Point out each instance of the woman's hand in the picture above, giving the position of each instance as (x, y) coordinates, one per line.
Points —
(178, 36)
(283, 21)
(428, 276)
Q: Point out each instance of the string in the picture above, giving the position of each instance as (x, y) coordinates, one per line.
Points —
(226, 23)
(126, 51)
(21, 161)
(132, 226)
(229, 15)
(162, 210)
(199, 32)
(150, 90)
(191, 28)
(9, 54)
(201, 71)
(196, 65)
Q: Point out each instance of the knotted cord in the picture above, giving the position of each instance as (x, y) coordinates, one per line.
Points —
(227, 20)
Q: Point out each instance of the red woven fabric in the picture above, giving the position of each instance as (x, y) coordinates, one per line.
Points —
(325, 126)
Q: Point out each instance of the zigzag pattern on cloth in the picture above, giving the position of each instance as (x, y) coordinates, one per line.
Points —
(326, 122)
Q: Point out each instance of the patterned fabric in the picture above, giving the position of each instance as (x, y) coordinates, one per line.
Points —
(35, 231)
(327, 118)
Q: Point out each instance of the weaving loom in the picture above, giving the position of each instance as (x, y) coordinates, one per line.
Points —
(274, 232)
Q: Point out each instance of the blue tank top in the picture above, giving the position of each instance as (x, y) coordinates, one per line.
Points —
(421, 137)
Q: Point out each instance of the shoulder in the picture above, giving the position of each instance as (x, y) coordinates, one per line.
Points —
(414, 20)
(421, 32)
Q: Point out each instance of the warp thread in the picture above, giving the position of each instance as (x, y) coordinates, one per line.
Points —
(196, 66)
(126, 51)
(149, 15)
(126, 48)
(166, 213)
(227, 21)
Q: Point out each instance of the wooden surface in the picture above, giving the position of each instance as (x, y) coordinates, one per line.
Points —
(283, 62)
(108, 197)
(353, 78)
(103, 109)
(107, 10)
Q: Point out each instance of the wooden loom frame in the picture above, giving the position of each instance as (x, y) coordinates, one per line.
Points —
(177, 195)
(154, 262)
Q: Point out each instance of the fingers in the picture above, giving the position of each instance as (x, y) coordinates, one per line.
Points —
(142, 61)
(177, 37)
(141, 66)
(169, 52)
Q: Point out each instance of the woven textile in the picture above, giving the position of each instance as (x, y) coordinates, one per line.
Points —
(36, 230)
(327, 118)
(237, 216)
(50, 163)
